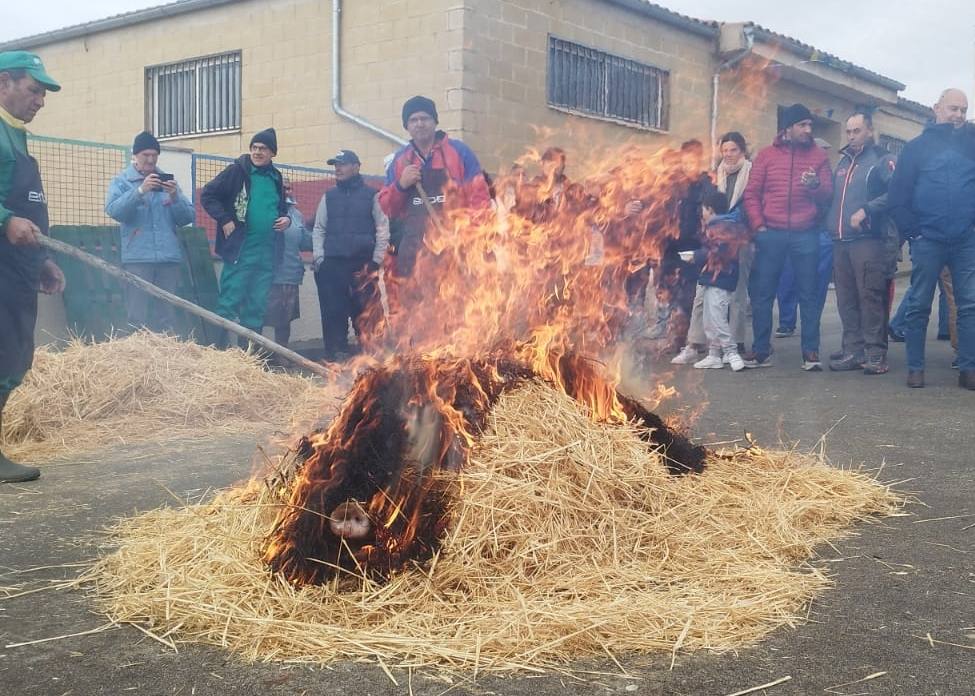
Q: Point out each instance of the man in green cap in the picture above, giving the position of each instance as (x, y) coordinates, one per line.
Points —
(24, 266)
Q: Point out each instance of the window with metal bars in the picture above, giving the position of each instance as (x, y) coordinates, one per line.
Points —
(201, 95)
(595, 83)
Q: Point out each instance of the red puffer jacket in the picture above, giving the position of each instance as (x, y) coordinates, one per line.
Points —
(776, 197)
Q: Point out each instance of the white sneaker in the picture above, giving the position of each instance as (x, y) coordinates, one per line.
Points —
(712, 362)
(735, 360)
(687, 356)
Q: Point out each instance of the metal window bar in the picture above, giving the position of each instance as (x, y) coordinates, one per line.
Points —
(194, 96)
(605, 85)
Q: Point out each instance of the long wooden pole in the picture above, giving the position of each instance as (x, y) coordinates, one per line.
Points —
(205, 314)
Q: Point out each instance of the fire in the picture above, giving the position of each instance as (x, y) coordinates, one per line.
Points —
(496, 297)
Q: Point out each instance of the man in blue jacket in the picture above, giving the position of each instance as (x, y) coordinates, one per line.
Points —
(149, 206)
(932, 200)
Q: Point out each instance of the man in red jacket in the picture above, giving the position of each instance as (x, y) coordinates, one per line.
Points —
(790, 184)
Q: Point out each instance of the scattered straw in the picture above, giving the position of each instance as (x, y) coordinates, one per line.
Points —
(568, 541)
(145, 386)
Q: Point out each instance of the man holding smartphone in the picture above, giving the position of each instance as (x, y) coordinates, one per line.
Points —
(149, 206)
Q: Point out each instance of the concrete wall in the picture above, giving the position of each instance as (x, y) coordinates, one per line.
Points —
(505, 60)
(392, 50)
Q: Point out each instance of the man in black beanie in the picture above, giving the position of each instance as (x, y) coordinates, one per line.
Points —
(430, 159)
(149, 207)
(248, 203)
(789, 186)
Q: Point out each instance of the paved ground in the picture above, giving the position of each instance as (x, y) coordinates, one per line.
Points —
(897, 582)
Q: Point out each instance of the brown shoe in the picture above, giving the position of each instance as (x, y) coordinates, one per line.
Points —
(915, 379)
(966, 379)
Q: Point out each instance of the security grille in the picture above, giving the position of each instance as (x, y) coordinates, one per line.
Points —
(585, 80)
(194, 96)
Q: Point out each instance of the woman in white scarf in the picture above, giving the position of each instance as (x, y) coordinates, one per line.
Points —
(732, 175)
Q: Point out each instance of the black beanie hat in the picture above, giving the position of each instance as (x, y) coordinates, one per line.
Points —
(793, 114)
(145, 141)
(418, 103)
(267, 137)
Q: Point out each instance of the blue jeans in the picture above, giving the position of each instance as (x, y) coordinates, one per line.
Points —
(788, 295)
(929, 257)
(772, 248)
(897, 323)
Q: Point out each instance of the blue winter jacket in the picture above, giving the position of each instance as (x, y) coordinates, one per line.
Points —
(149, 222)
(297, 238)
(932, 192)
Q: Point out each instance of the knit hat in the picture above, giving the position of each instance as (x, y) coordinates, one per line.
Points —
(791, 115)
(145, 141)
(268, 138)
(418, 103)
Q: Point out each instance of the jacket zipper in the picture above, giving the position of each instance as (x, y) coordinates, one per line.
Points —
(792, 166)
(846, 185)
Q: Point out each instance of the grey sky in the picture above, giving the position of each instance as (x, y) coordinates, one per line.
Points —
(927, 46)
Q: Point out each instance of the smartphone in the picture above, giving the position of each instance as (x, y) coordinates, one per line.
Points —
(165, 177)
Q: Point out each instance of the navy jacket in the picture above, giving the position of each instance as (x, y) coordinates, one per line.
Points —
(225, 200)
(932, 192)
(724, 236)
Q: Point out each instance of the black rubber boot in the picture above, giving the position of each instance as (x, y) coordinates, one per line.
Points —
(11, 472)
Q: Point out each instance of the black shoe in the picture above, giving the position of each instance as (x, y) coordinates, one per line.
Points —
(783, 332)
(894, 336)
(11, 472)
(875, 365)
(847, 362)
(954, 363)
(811, 362)
(915, 379)
(966, 379)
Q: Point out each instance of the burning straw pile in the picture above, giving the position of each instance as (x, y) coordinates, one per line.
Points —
(145, 386)
(566, 539)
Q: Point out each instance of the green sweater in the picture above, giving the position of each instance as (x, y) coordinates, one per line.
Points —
(13, 140)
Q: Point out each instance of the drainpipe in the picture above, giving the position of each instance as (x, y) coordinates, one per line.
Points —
(727, 65)
(337, 82)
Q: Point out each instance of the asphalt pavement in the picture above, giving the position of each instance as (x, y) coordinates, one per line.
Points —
(903, 603)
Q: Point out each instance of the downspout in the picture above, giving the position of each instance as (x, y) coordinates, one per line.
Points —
(716, 86)
(337, 82)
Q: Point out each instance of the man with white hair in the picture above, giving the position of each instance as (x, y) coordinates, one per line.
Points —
(932, 200)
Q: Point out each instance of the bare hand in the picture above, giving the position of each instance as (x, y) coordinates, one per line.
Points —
(151, 183)
(52, 279)
(282, 223)
(228, 228)
(633, 207)
(856, 220)
(170, 187)
(22, 232)
(809, 179)
(409, 176)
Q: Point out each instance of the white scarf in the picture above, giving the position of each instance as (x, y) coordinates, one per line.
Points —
(740, 183)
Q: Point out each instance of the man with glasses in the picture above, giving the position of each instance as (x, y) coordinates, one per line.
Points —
(248, 203)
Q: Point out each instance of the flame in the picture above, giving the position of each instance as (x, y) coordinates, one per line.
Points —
(534, 287)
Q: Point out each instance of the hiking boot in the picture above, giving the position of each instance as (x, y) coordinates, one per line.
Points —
(915, 379)
(688, 356)
(754, 359)
(11, 472)
(711, 362)
(875, 365)
(734, 360)
(784, 332)
(966, 379)
(811, 362)
(847, 362)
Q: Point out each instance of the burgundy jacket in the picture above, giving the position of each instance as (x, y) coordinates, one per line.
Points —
(775, 196)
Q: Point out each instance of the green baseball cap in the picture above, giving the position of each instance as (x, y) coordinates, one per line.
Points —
(23, 60)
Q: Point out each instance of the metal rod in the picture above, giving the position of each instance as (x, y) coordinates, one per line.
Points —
(205, 314)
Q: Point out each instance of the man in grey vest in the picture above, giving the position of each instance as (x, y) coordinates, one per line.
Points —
(349, 242)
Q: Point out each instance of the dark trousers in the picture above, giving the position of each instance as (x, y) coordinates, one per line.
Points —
(929, 257)
(772, 248)
(676, 287)
(341, 298)
(859, 271)
(788, 294)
